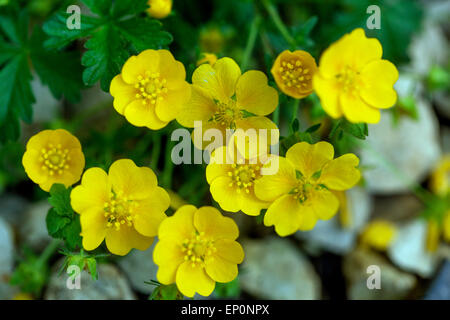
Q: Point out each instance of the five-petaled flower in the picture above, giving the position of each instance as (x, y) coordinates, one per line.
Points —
(223, 98)
(124, 206)
(53, 156)
(196, 248)
(159, 9)
(293, 72)
(301, 191)
(232, 182)
(353, 80)
(151, 89)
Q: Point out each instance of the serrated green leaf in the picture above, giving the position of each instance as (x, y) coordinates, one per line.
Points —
(105, 56)
(144, 33)
(55, 223)
(60, 200)
(128, 7)
(92, 267)
(100, 7)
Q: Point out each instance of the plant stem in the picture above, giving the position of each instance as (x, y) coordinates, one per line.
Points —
(49, 250)
(156, 150)
(250, 42)
(168, 166)
(272, 10)
(295, 107)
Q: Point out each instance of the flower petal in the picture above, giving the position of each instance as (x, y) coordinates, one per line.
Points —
(271, 187)
(220, 80)
(229, 250)
(328, 92)
(341, 173)
(226, 194)
(150, 212)
(217, 166)
(136, 183)
(220, 270)
(379, 78)
(93, 191)
(33, 167)
(93, 227)
(140, 115)
(323, 203)
(122, 92)
(193, 279)
(310, 158)
(121, 241)
(356, 110)
(168, 256)
(254, 94)
(200, 107)
(180, 226)
(146, 61)
(284, 213)
(173, 102)
(170, 69)
(210, 221)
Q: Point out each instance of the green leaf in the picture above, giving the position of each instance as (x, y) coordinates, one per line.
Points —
(144, 33)
(313, 128)
(228, 290)
(295, 125)
(55, 223)
(99, 7)
(92, 267)
(60, 200)
(105, 56)
(71, 233)
(128, 7)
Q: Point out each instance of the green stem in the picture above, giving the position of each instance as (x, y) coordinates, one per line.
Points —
(272, 10)
(295, 107)
(166, 180)
(250, 42)
(49, 250)
(276, 116)
(156, 150)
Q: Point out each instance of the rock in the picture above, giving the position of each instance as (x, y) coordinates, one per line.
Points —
(394, 284)
(397, 208)
(12, 209)
(408, 249)
(400, 154)
(274, 268)
(6, 260)
(330, 235)
(139, 267)
(33, 230)
(440, 288)
(446, 140)
(111, 285)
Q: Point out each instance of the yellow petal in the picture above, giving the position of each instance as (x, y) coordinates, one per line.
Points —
(33, 167)
(251, 205)
(121, 241)
(170, 69)
(356, 110)
(193, 279)
(220, 80)
(284, 213)
(210, 221)
(379, 78)
(229, 250)
(93, 191)
(218, 166)
(323, 204)
(254, 94)
(225, 193)
(136, 183)
(341, 173)
(135, 66)
(307, 219)
(173, 102)
(140, 115)
(150, 212)
(220, 270)
(168, 256)
(200, 107)
(378, 234)
(271, 187)
(93, 227)
(180, 226)
(122, 92)
(310, 158)
(328, 92)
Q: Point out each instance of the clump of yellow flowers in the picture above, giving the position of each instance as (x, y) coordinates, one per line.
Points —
(53, 156)
(124, 207)
(196, 248)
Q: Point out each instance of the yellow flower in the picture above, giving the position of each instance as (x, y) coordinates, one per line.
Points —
(301, 190)
(378, 234)
(433, 235)
(440, 178)
(196, 248)
(232, 183)
(293, 72)
(354, 81)
(210, 58)
(23, 296)
(124, 206)
(151, 89)
(53, 156)
(223, 98)
(159, 9)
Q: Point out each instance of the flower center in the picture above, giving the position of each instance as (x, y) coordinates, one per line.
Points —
(151, 87)
(54, 159)
(244, 176)
(305, 187)
(294, 74)
(197, 248)
(118, 210)
(348, 80)
(227, 114)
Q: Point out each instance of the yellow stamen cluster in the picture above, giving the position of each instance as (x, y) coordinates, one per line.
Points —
(303, 190)
(294, 74)
(227, 114)
(151, 87)
(347, 80)
(197, 248)
(54, 159)
(119, 210)
(243, 176)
